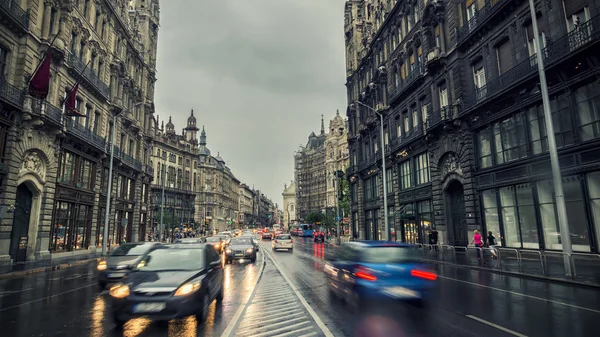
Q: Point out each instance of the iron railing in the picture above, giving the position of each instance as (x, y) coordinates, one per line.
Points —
(482, 15)
(84, 133)
(14, 11)
(11, 93)
(580, 36)
(408, 81)
(47, 110)
(438, 117)
(89, 75)
(129, 160)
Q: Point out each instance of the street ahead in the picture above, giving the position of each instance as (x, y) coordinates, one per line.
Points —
(468, 303)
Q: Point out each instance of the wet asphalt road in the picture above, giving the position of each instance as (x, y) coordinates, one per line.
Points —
(68, 302)
(468, 303)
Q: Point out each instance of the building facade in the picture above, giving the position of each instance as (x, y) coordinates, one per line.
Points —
(337, 155)
(465, 136)
(246, 211)
(310, 175)
(175, 162)
(54, 167)
(289, 204)
(217, 199)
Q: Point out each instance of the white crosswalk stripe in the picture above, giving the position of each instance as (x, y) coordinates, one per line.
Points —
(275, 310)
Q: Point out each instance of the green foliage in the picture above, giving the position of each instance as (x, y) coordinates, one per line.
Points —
(313, 217)
(168, 218)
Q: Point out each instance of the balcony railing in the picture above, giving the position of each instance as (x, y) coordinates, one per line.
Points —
(555, 51)
(149, 170)
(481, 17)
(47, 110)
(406, 138)
(16, 13)
(129, 160)
(438, 117)
(89, 75)
(117, 153)
(407, 83)
(84, 133)
(10, 93)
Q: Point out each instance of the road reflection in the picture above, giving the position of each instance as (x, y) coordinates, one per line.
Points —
(98, 310)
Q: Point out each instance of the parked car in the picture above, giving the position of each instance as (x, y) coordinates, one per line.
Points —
(377, 270)
(172, 281)
(117, 265)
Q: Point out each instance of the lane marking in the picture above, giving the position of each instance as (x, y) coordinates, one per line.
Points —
(514, 333)
(294, 327)
(271, 319)
(255, 314)
(298, 320)
(302, 300)
(48, 297)
(242, 308)
(523, 295)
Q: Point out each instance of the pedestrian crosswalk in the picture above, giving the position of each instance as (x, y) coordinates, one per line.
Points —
(275, 310)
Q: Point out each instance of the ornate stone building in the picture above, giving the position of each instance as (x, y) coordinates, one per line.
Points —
(337, 157)
(457, 83)
(289, 204)
(54, 167)
(246, 210)
(217, 198)
(175, 162)
(311, 177)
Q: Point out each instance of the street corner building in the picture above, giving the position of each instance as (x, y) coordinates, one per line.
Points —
(464, 131)
(66, 68)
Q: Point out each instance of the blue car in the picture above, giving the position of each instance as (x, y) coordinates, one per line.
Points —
(375, 270)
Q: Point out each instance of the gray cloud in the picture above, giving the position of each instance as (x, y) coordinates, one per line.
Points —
(259, 75)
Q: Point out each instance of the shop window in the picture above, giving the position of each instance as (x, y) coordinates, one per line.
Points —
(484, 148)
(72, 227)
(561, 121)
(423, 175)
(406, 175)
(490, 213)
(509, 139)
(389, 181)
(593, 181)
(588, 108)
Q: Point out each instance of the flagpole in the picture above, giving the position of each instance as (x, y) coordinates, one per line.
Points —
(42, 59)
(75, 85)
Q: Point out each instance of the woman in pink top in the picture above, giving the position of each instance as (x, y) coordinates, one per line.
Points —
(477, 239)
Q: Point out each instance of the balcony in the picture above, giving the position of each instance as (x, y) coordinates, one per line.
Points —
(149, 170)
(11, 94)
(438, 117)
(84, 134)
(555, 52)
(482, 17)
(409, 82)
(117, 153)
(47, 111)
(88, 75)
(406, 138)
(131, 162)
(17, 15)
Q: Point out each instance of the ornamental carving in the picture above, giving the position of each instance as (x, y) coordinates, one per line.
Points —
(450, 164)
(33, 163)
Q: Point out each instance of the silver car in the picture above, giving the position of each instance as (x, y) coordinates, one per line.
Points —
(283, 241)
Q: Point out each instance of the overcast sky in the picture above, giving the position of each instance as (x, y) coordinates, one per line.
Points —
(258, 74)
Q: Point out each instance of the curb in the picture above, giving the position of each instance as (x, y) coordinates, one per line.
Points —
(47, 269)
(526, 276)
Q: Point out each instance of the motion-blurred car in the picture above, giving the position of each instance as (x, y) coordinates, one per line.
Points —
(283, 241)
(266, 236)
(121, 261)
(191, 240)
(216, 242)
(170, 282)
(377, 270)
(240, 248)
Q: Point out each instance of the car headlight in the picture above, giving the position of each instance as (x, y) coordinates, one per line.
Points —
(119, 291)
(249, 250)
(228, 251)
(102, 265)
(188, 288)
(217, 246)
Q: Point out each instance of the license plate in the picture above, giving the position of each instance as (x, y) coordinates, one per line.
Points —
(115, 275)
(284, 243)
(400, 292)
(239, 254)
(149, 307)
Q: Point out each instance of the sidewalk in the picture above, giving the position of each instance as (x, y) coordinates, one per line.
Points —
(31, 267)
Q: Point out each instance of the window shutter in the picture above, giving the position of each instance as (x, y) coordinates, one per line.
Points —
(419, 51)
(505, 59)
(469, 3)
(529, 30)
(574, 6)
(412, 59)
(437, 30)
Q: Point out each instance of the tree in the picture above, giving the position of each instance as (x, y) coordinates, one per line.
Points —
(345, 195)
(168, 219)
(314, 217)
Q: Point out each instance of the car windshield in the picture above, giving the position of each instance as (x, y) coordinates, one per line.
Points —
(174, 259)
(213, 239)
(393, 254)
(224, 237)
(240, 242)
(130, 249)
(284, 237)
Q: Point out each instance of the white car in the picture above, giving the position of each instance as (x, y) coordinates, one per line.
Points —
(283, 241)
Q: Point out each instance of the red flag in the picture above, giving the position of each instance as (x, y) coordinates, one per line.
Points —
(40, 81)
(71, 103)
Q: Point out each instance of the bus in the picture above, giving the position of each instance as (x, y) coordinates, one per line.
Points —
(276, 227)
(305, 230)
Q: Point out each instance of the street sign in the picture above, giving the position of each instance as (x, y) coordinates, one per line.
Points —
(337, 218)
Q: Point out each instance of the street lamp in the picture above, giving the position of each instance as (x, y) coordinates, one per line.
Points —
(110, 173)
(383, 171)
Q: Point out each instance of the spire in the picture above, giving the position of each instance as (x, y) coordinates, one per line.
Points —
(322, 126)
(193, 112)
(203, 137)
(337, 112)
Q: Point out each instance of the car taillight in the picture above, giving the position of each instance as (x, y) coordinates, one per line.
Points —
(275, 240)
(291, 240)
(364, 274)
(423, 274)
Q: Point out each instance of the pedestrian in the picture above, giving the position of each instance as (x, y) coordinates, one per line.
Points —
(491, 241)
(433, 239)
(477, 242)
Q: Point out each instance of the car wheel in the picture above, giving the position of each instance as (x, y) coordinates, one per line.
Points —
(201, 316)
(118, 322)
(291, 250)
(219, 297)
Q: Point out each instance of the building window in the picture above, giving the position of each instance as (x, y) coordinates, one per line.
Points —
(504, 55)
(484, 148)
(406, 124)
(389, 181)
(438, 38)
(509, 139)
(72, 227)
(561, 119)
(588, 110)
(593, 181)
(406, 175)
(424, 112)
(96, 126)
(423, 175)
(490, 213)
(76, 171)
(376, 181)
(415, 118)
(479, 81)
(3, 61)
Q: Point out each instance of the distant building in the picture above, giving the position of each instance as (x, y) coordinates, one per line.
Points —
(336, 152)
(289, 204)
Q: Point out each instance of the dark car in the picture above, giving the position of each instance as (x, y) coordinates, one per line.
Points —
(122, 260)
(240, 248)
(170, 282)
(253, 239)
(377, 270)
(319, 236)
(216, 242)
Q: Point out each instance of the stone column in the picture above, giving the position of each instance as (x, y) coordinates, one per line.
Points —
(361, 209)
(135, 222)
(46, 29)
(97, 218)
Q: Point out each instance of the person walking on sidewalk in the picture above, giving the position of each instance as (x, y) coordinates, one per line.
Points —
(433, 239)
(491, 240)
(477, 242)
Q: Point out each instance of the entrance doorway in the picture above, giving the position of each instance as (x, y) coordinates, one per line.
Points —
(455, 201)
(22, 215)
